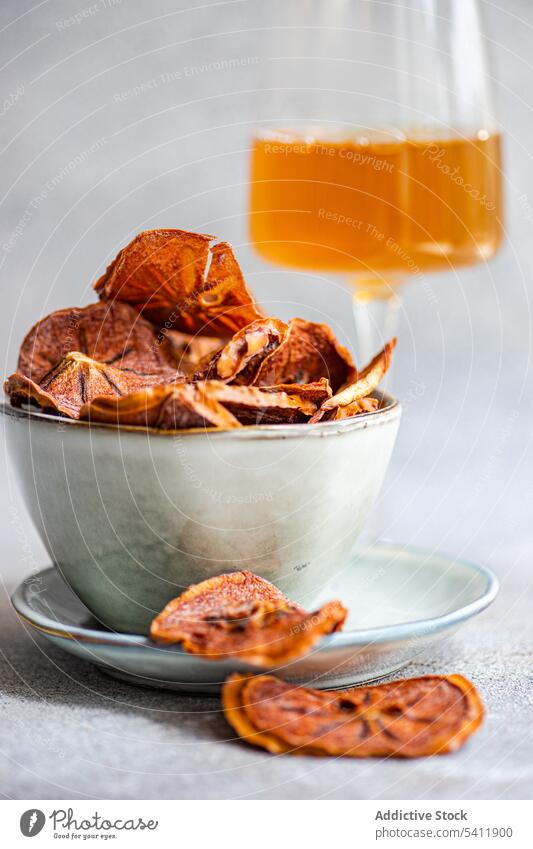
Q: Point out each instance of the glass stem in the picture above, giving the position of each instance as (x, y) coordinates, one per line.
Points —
(376, 307)
(376, 314)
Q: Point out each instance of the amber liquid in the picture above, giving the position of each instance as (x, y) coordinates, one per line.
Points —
(376, 204)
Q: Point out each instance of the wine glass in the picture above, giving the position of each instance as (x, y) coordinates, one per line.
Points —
(376, 154)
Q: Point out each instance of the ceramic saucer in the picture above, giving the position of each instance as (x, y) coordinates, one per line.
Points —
(401, 602)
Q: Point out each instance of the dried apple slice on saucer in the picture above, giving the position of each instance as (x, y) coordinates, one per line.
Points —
(243, 616)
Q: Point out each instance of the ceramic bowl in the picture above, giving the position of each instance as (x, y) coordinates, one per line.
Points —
(131, 517)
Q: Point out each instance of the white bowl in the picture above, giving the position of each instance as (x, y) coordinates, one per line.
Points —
(131, 517)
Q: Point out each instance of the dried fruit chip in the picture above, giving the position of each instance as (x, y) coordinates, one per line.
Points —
(318, 391)
(156, 269)
(239, 360)
(269, 352)
(308, 352)
(225, 302)
(353, 399)
(190, 352)
(267, 405)
(210, 403)
(182, 281)
(364, 405)
(184, 405)
(411, 718)
(75, 381)
(367, 380)
(110, 333)
(218, 593)
(243, 616)
(267, 373)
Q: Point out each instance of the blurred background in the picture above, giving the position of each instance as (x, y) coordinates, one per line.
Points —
(119, 115)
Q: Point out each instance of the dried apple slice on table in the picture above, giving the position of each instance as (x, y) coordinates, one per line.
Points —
(243, 616)
(75, 381)
(182, 281)
(111, 333)
(412, 718)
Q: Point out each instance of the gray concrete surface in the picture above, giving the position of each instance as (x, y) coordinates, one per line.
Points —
(174, 154)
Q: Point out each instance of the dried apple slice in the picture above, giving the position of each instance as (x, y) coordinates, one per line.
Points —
(209, 403)
(184, 405)
(190, 352)
(155, 271)
(267, 405)
(240, 358)
(308, 352)
(269, 352)
(225, 302)
(181, 281)
(352, 399)
(317, 392)
(111, 333)
(75, 381)
(412, 718)
(243, 616)
(363, 405)
(217, 594)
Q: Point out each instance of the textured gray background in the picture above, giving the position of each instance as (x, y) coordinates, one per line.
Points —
(460, 481)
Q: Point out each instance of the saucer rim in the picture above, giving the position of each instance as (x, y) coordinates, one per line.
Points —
(341, 639)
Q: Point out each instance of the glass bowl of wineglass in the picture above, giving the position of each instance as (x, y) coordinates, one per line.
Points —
(377, 155)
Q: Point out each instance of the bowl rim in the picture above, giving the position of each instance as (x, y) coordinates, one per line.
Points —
(361, 421)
